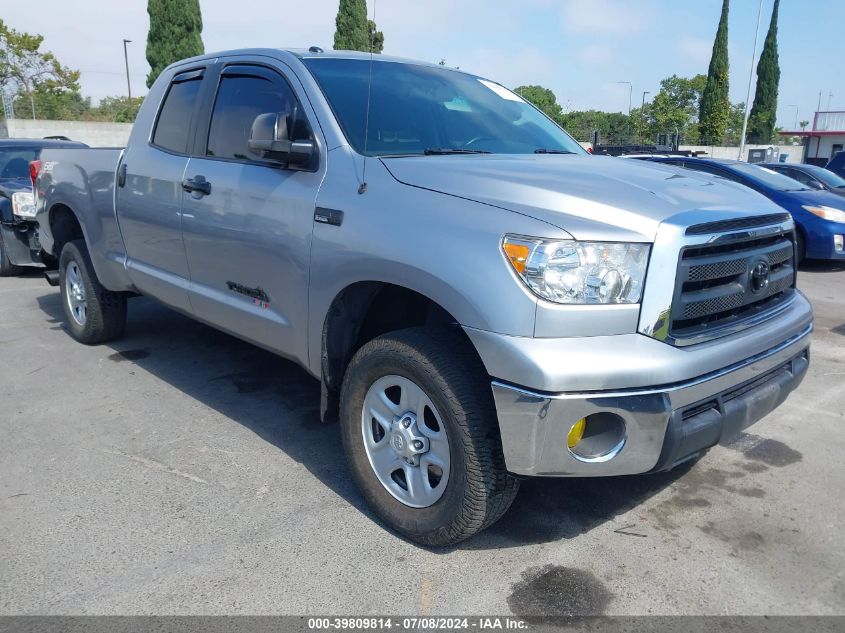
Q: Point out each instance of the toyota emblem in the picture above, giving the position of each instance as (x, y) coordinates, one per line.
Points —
(758, 277)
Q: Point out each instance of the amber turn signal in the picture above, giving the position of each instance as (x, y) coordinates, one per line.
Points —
(517, 254)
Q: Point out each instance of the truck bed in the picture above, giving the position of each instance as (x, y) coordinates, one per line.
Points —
(84, 180)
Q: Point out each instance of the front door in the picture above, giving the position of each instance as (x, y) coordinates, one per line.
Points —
(247, 226)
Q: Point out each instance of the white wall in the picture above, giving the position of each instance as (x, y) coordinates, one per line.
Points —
(796, 152)
(93, 133)
(825, 148)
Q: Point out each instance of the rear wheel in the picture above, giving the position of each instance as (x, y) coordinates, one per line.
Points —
(419, 429)
(7, 268)
(94, 314)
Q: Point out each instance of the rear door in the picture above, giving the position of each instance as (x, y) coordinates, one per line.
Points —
(149, 195)
(248, 235)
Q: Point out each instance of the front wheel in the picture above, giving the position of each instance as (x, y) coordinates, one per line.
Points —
(420, 432)
(94, 314)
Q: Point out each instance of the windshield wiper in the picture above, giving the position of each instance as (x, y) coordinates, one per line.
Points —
(440, 151)
(543, 150)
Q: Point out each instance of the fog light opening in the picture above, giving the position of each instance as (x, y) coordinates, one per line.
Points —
(597, 438)
(576, 432)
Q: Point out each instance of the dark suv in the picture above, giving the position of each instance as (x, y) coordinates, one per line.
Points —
(19, 244)
(812, 176)
(837, 164)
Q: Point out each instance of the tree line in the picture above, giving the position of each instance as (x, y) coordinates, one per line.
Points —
(674, 110)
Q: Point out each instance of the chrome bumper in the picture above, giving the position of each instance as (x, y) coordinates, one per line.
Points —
(664, 425)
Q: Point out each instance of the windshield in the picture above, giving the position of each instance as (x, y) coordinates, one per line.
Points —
(826, 176)
(14, 163)
(768, 178)
(418, 109)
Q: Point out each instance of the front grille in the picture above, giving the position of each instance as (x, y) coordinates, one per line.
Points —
(716, 286)
(750, 222)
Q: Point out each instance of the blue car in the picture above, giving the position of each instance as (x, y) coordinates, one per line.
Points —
(819, 215)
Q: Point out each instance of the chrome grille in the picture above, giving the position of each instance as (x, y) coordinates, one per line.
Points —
(716, 285)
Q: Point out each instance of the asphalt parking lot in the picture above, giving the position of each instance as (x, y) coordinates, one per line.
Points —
(181, 471)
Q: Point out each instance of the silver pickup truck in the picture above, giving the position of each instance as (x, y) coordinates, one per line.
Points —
(481, 299)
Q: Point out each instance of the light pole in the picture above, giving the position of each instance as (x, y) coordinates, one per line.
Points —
(750, 78)
(642, 116)
(630, 94)
(126, 60)
(796, 115)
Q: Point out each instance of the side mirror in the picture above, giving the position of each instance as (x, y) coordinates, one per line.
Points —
(270, 138)
(815, 184)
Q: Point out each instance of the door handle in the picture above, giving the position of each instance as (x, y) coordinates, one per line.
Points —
(197, 184)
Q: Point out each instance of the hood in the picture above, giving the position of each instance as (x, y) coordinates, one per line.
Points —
(590, 197)
(794, 199)
(8, 186)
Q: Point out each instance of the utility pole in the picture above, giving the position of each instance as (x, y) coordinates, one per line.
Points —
(126, 60)
(630, 94)
(750, 78)
(642, 116)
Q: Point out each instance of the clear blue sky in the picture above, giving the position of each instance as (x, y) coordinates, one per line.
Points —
(578, 48)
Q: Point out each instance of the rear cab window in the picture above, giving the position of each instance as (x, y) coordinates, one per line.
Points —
(173, 127)
(14, 162)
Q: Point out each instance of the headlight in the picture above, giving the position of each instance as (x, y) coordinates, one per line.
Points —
(827, 213)
(579, 272)
(23, 204)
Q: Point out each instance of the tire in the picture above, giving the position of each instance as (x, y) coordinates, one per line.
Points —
(800, 247)
(443, 365)
(94, 314)
(7, 268)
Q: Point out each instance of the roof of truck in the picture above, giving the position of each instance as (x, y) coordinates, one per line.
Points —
(304, 53)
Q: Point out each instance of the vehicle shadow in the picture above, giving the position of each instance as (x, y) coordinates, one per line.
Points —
(551, 509)
(279, 402)
(820, 266)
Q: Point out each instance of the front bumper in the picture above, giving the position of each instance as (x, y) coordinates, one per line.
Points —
(22, 244)
(819, 238)
(663, 425)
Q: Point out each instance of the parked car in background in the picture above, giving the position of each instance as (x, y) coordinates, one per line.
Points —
(837, 164)
(819, 215)
(19, 243)
(812, 176)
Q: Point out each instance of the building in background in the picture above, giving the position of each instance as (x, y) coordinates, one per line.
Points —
(826, 137)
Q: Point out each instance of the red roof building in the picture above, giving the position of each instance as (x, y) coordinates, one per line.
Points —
(825, 138)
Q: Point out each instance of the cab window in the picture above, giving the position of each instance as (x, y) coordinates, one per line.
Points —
(174, 119)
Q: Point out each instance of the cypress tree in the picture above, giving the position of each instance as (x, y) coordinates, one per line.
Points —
(353, 33)
(175, 33)
(715, 107)
(761, 122)
(376, 37)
